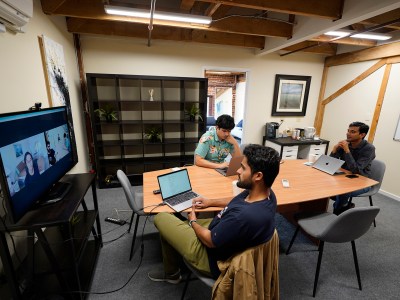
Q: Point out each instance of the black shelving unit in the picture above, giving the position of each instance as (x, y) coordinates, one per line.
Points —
(122, 144)
(62, 260)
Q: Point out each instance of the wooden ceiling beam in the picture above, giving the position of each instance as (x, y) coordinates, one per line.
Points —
(49, 6)
(253, 26)
(373, 53)
(331, 9)
(383, 18)
(312, 47)
(344, 41)
(103, 27)
(186, 5)
(88, 9)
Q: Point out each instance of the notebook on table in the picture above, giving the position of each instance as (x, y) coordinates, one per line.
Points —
(176, 190)
(328, 164)
(234, 165)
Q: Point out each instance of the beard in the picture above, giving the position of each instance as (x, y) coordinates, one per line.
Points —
(244, 184)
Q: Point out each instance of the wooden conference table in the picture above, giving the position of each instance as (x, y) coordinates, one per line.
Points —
(309, 189)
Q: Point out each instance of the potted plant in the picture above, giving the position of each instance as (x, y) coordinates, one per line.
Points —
(153, 134)
(192, 112)
(108, 113)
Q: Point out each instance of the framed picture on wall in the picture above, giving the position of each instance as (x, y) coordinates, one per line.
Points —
(290, 95)
(55, 72)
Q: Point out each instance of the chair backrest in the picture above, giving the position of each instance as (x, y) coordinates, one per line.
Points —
(378, 168)
(126, 185)
(350, 225)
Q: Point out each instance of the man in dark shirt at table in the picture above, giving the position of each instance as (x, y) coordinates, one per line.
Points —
(358, 155)
(247, 220)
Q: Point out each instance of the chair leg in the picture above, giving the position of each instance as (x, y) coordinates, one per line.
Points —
(353, 246)
(186, 285)
(320, 250)
(293, 238)
(372, 204)
(134, 237)
(130, 223)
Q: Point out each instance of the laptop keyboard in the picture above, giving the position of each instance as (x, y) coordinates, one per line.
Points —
(181, 198)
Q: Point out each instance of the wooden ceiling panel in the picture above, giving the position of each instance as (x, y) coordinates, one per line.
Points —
(244, 23)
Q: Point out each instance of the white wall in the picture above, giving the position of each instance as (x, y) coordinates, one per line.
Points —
(22, 81)
(358, 104)
(132, 56)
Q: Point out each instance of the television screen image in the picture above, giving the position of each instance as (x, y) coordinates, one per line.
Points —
(37, 148)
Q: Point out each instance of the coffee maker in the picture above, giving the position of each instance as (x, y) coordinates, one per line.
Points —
(271, 130)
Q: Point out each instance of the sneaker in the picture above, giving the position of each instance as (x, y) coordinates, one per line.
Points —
(162, 276)
(343, 208)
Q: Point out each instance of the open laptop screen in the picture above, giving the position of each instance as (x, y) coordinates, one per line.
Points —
(174, 183)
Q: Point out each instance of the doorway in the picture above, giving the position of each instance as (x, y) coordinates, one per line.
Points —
(226, 95)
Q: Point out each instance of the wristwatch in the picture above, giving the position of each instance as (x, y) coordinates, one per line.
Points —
(191, 221)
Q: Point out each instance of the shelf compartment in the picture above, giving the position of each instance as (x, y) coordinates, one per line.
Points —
(147, 85)
(172, 90)
(151, 110)
(173, 131)
(129, 89)
(132, 132)
(192, 91)
(106, 89)
(133, 151)
(130, 111)
(153, 150)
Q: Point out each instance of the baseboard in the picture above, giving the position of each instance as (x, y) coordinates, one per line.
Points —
(390, 195)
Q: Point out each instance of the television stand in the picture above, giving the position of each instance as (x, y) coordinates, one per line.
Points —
(65, 255)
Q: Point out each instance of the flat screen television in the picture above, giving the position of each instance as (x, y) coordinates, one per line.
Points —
(37, 148)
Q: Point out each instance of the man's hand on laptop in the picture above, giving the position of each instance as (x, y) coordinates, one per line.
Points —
(224, 164)
(200, 202)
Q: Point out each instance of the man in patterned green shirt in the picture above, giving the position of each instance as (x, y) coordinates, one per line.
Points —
(216, 144)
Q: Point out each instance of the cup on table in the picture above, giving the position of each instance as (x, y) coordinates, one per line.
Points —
(312, 158)
(235, 189)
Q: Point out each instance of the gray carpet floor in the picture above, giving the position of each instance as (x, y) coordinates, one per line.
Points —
(378, 255)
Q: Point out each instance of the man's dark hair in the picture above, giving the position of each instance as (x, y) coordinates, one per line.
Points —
(225, 122)
(263, 159)
(362, 127)
(47, 143)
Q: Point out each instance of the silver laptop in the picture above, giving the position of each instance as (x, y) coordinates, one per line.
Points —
(234, 165)
(176, 190)
(328, 164)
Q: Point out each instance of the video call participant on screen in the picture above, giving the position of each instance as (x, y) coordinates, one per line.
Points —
(358, 155)
(31, 169)
(51, 154)
(247, 220)
(216, 144)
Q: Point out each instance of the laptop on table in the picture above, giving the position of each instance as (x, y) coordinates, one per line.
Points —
(234, 165)
(328, 164)
(176, 190)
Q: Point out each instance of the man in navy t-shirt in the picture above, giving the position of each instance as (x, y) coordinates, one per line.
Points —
(247, 220)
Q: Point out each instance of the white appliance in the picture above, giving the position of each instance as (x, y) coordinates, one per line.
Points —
(309, 133)
(14, 14)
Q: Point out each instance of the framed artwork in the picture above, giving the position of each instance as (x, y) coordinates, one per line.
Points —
(290, 95)
(55, 72)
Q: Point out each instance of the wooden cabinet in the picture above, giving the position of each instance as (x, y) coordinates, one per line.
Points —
(65, 254)
(145, 104)
(297, 149)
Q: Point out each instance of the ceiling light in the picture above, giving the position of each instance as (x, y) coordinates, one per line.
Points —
(370, 36)
(142, 13)
(337, 33)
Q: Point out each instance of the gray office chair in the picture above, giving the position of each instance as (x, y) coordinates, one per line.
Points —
(378, 168)
(208, 281)
(346, 227)
(135, 201)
